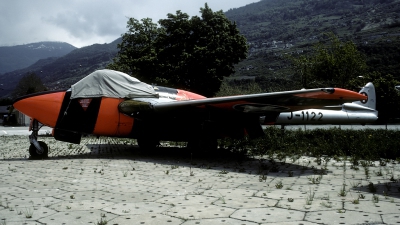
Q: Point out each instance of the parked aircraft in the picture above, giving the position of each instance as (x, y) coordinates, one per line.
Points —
(111, 103)
(358, 112)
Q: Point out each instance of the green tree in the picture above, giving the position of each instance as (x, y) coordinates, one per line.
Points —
(29, 84)
(333, 63)
(192, 53)
(387, 97)
(137, 54)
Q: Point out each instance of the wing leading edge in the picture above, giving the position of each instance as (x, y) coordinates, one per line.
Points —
(255, 103)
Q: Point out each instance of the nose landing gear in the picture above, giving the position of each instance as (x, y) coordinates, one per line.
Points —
(37, 149)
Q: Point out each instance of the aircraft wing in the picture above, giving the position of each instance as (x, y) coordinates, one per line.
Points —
(254, 103)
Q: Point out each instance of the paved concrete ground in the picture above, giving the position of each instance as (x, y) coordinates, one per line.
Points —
(110, 181)
(22, 130)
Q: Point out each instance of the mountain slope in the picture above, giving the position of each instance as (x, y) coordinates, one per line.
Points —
(60, 73)
(22, 56)
(299, 20)
(277, 28)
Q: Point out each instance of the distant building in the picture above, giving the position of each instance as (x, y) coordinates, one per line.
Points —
(4, 111)
(22, 119)
(15, 118)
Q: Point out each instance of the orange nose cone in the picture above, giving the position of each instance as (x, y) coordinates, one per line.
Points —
(43, 107)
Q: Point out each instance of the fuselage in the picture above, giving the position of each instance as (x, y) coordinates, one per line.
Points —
(151, 117)
(98, 116)
(315, 116)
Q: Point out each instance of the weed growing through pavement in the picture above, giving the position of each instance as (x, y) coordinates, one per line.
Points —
(103, 220)
(343, 192)
(354, 184)
(5, 206)
(315, 180)
(366, 172)
(383, 162)
(354, 167)
(223, 172)
(326, 204)
(386, 195)
(379, 172)
(375, 199)
(221, 198)
(174, 167)
(209, 187)
(262, 178)
(310, 197)
(326, 198)
(279, 185)
(28, 212)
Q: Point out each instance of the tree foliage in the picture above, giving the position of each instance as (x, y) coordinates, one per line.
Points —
(29, 84)
(387, 97)
(331, 64)
(192, 53)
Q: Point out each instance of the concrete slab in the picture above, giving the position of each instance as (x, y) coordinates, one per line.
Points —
(192, 212)
(136, 208)
(110, 180)
(148, 219)
(268, 215)
(218, 221)
(343, 217)
(81, 205)
(77, 217)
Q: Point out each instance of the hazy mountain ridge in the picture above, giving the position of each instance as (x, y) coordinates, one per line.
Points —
(22, 56)
(61, 72)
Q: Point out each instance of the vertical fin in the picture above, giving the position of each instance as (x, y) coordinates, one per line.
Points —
(368, 90)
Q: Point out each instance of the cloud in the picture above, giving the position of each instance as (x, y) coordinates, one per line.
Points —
(85, 22)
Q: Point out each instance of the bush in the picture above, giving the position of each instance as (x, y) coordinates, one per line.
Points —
(365, 144)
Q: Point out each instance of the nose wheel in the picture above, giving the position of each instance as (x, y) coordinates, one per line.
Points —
(37, 149)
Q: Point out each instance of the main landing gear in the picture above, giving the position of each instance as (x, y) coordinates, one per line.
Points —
(37, 149)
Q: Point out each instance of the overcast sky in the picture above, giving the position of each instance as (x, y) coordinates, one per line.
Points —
(86, 22)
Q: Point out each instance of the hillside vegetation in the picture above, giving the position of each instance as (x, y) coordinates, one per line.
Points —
(277, 28)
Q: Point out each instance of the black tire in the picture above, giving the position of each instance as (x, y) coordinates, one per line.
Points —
(36, 154)
(205, 145)
(147, 144)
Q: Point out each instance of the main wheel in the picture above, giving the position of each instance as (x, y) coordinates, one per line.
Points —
(39, 154)
(203, 145)
(147, 144)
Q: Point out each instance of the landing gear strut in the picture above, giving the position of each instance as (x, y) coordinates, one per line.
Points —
(37, 149)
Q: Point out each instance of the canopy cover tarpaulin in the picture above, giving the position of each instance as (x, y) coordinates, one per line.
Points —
(113, 84)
